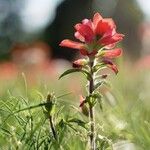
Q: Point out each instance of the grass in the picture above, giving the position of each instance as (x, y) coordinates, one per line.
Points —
(125, 115)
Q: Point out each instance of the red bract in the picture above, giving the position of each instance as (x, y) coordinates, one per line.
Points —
(110, 53)
(94, 35)
(110, 65)
(83, 107)
(82, 101)
(79, 63)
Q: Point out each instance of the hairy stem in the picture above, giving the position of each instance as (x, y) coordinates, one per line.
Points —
(52, 127)
(91, 111)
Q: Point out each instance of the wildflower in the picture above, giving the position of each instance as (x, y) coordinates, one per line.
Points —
(97, 41)
(94, 35)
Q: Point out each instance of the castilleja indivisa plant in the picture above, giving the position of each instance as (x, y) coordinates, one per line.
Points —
(97, 39)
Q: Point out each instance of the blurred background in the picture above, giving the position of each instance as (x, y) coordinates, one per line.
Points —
(31, 30)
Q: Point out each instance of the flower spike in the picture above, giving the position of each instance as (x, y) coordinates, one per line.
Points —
(93, 35)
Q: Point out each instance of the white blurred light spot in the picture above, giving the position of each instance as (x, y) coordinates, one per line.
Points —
(38, 13)
(145, 6)
(124, 145)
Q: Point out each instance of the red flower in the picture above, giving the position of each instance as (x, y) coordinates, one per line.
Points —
(94, 35)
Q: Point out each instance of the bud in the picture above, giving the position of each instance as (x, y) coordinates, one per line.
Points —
(50, 103)
(110, 65)
(83, 106)
(113, 53)
(100, 53)
(79, 63)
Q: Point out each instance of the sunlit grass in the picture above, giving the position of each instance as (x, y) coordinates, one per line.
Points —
(125, 115)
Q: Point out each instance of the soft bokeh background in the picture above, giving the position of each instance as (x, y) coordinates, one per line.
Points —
(28, 21)
(30, 32)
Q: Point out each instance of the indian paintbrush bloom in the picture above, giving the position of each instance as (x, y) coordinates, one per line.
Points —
(97, 34)
(97, 37)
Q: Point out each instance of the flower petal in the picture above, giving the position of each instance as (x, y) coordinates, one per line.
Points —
(111, 39)
(109, 33)
(110, 46)
(79, 36)
(88, 23)
(113, 67)
(112, 53)
(78, 26)
(102, 27)
(71, 44)
(110, 22)
(84, 52)
(86, 31)
(97, 17)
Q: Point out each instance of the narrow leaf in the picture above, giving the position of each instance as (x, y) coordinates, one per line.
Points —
(76, 70)
(99, 66)
(98, 85)
(31, 107)
(78, 121)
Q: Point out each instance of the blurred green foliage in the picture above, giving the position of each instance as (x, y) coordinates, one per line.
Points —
(125, 115)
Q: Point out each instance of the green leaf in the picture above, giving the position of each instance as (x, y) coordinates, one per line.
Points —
(30, 107)
(61, 123)
(78, 121)
(87, 74)
(98, 96)
(99, 66)
(103, 82)
(94, 98)
(91, 99)
(98, 85)
(5, 131)
(50, 106)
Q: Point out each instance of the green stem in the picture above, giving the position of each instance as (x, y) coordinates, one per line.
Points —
(91, 110)
(52, 127)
